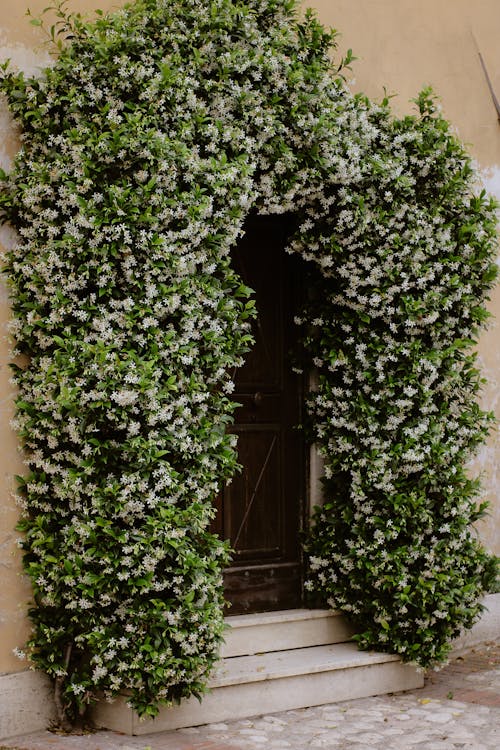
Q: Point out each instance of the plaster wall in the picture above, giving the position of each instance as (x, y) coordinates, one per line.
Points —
(400, 45)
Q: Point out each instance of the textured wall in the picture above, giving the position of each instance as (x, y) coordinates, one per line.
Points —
(400, 44)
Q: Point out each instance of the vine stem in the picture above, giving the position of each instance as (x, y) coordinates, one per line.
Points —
(62, 718)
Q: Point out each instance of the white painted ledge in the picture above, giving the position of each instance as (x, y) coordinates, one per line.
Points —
(269, 683)
(26, 703)
(284, 630)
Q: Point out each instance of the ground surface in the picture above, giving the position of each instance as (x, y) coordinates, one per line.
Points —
(458, 709)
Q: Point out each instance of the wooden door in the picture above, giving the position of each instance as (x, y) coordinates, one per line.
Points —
(261, 511)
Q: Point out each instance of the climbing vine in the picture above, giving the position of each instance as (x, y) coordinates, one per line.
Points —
(410, 259)
(159, 128)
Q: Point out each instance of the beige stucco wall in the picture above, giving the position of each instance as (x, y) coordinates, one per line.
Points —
(400, 44)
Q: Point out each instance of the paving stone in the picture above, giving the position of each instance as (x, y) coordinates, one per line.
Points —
(217, 727)
(269, 726)
(355, 711)
(260, 739)
(324, 742)
(370, 738)
(414, 739)
(437, 718)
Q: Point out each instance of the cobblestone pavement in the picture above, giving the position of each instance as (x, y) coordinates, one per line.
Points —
(458, 709)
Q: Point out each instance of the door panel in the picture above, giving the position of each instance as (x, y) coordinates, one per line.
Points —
(260, 512)
(256, 521)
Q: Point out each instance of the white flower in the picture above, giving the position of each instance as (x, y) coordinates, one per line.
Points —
(125, 397)
(19, 653)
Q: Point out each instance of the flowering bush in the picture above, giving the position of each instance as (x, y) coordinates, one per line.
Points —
(145, 146)
(409, 259)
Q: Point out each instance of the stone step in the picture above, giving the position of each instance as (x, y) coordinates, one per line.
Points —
(284, 630)
(246, 686)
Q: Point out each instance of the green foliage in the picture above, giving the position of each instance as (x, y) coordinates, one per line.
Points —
(145, 146)
(395, 413)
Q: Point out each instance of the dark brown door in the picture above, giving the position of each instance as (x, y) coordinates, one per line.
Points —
(260, 512)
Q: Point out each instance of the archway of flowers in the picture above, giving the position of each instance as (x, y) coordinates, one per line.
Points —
(155, 133)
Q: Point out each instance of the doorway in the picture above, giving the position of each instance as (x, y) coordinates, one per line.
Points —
(261, 512)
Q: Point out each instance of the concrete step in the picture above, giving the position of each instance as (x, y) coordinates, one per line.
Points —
(246, 686)
(284, 630)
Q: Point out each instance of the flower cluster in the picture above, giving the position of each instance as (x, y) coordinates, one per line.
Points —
(145, 146)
